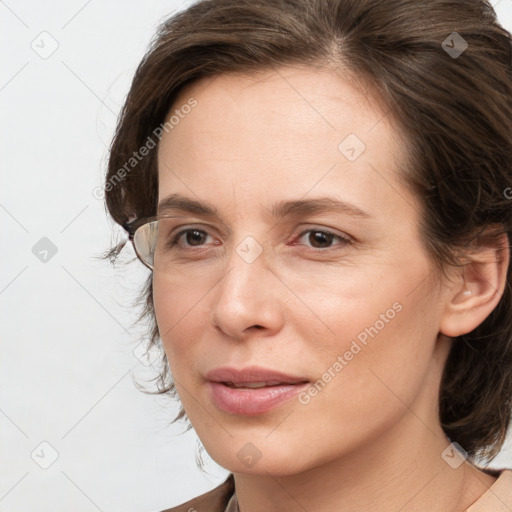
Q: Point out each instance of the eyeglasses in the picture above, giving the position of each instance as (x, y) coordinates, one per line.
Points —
(155, 240)
(151, 236)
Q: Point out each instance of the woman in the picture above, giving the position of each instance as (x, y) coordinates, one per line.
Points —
(320, 191)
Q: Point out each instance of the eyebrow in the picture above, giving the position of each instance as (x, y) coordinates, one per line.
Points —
(280, 210)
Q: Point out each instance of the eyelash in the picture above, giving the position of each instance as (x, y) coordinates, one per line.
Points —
(345, 240)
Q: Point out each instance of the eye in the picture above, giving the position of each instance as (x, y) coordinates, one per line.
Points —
(193, 237)
(319, 239)
(322, 239)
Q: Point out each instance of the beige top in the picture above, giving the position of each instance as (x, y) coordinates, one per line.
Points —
(498, 498)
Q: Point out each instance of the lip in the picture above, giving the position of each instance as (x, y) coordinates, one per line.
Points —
(251, 374)
(252, 401)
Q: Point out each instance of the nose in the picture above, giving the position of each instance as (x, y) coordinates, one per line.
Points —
(248, 298)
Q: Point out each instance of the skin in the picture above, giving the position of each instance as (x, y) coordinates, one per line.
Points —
(371, 438)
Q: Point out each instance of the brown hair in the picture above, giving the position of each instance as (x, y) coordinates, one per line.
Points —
(454, 103)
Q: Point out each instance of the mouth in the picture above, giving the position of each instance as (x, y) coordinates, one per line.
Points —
(258, 385)
(252, 375)
(252, 390)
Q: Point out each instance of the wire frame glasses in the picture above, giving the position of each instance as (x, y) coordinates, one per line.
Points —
(150, 236)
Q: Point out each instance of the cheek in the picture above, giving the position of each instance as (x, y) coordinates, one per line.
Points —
(181, 312)
(360, 304)
(169, 308)
(375, 317)
(385, 334)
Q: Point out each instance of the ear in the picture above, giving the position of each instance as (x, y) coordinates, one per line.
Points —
(477, 288)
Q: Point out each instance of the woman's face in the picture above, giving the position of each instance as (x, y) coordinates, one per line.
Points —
(336, 290)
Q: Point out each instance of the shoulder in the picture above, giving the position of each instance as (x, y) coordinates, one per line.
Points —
(498, 497)
(215, 500)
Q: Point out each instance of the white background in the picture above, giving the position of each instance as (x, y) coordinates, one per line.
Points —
(67, 333)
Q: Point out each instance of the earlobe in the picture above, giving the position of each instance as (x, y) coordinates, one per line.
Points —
(478, 290)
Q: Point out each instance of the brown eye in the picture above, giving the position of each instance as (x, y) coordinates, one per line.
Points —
(193, 238)
(322, 239)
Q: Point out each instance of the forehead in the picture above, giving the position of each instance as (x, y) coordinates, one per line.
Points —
(284, 129)
(291, 95)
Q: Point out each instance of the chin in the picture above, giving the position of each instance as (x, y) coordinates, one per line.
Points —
(265, 461)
